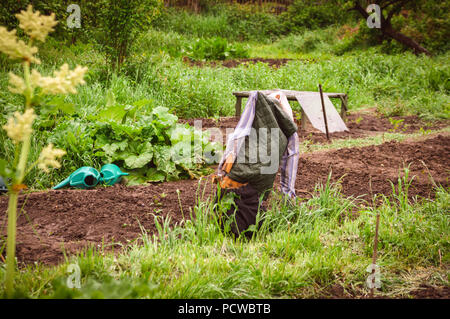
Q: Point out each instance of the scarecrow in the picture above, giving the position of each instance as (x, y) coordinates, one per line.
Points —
(264, 140)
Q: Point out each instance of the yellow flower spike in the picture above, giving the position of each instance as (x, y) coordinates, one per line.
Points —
(17, 84)
(64, 80)
(48, 157)
(34, 24)
(19, 127)
(15, 48)
(35, 78)
(76, 76)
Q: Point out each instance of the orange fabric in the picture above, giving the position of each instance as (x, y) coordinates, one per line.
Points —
(227, 182)
(228, 164)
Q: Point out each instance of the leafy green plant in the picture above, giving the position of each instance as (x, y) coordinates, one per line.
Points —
(152, 147)
(396, 123)
(228, 21)
(424, 131)
(358, 120)
(308, 14)
(215, 49)
(119, 24)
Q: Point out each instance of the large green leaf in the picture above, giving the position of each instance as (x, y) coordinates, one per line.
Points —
(56, 104)
(164, 117)
(138, 161)
(111, 149)
(181, 153)
(153, 147)
(180, 133)
(112, 113)
(155, 175)
(163, 159)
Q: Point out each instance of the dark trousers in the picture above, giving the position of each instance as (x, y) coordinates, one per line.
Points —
(243, 213)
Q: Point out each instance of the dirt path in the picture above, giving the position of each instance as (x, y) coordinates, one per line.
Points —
(76, 218)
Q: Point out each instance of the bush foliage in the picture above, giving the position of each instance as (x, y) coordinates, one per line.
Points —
(215, 49)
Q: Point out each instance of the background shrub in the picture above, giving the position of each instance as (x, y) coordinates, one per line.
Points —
(313, 14)
(215, 49)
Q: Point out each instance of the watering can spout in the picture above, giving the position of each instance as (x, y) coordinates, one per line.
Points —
(63, 183)
(111, 174)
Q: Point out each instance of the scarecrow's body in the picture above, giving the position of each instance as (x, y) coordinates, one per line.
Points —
(264, 139)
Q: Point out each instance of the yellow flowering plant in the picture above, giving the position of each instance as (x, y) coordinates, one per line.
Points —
(19, 127)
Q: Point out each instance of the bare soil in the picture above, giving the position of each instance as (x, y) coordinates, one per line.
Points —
(366, 171)
(233, 63)
(425, 291)
(430, 292)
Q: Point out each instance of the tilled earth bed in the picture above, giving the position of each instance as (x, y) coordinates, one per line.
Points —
(360, 125)
(233, 63)
(69, 220)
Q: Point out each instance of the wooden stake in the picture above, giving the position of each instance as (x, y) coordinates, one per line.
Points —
(303, 121)
(324, 112)
(238, 105)
(374, 258)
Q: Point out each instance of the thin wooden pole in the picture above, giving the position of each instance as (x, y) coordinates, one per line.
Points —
(324, 112)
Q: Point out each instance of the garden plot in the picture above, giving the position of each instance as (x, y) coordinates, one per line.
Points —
(360, 124)
(68, 220)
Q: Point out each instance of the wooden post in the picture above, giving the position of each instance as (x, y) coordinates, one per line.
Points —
(324, 112)
(238, 105)
(303, 121)
(344, 101)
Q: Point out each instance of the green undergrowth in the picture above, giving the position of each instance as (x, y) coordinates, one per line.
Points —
(302, 250)
(397, 84)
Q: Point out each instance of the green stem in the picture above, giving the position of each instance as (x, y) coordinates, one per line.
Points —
(14, 193)
(12, 218)
(11, 243)
(16, 154)
(29, 90)
(21, 167)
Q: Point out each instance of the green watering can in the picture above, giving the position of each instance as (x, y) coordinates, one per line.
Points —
(84, 177)
(111, 174)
